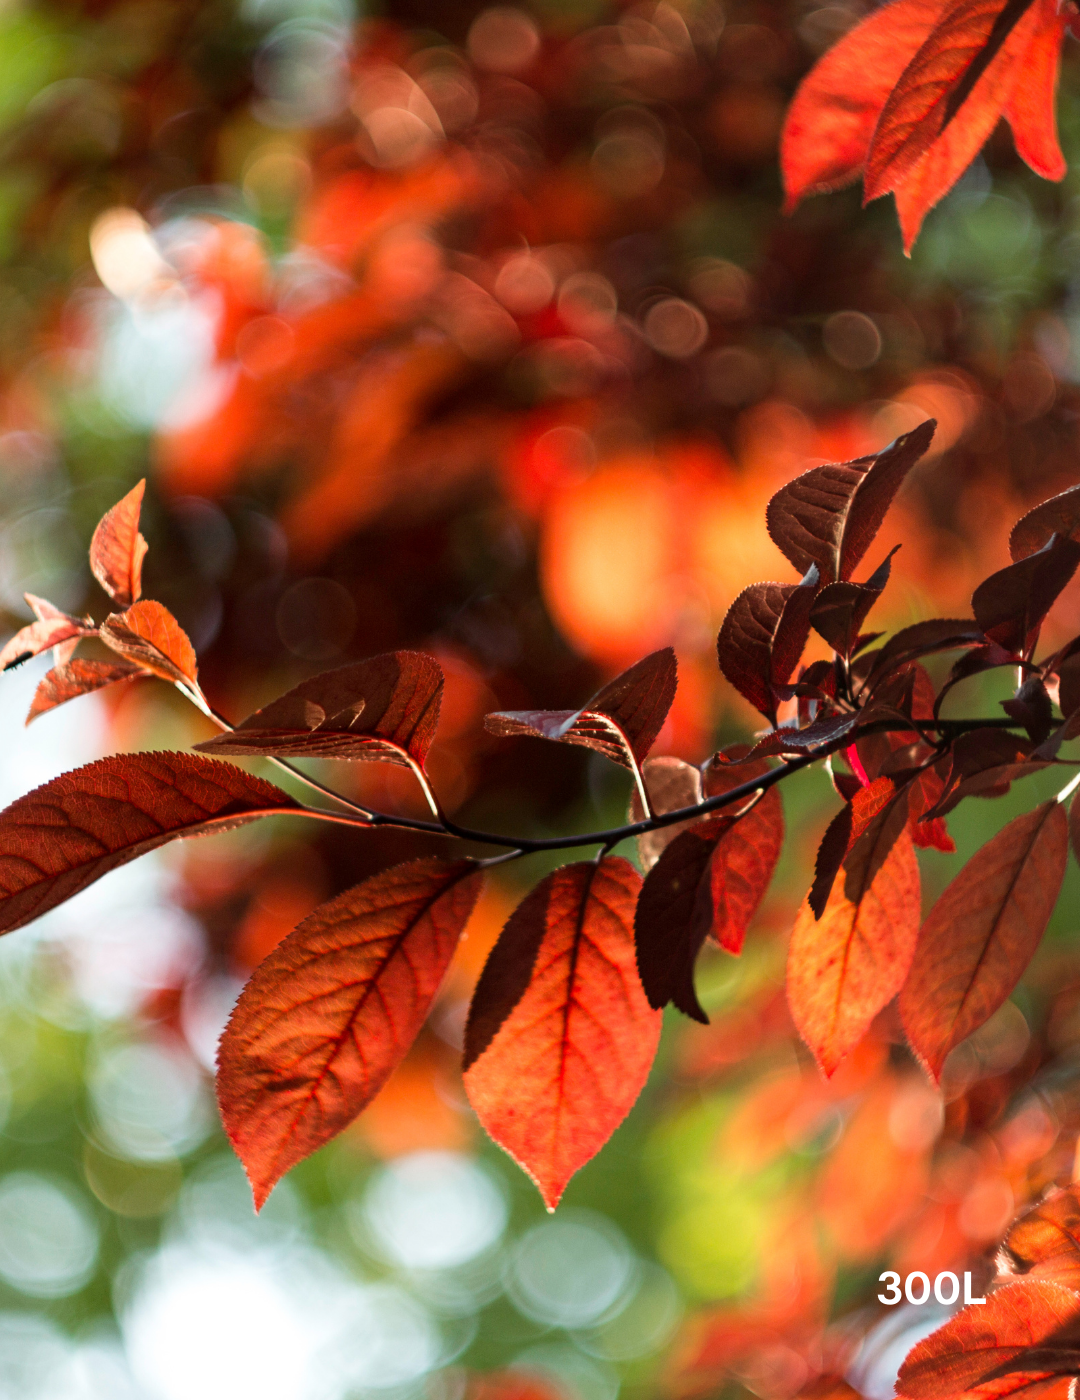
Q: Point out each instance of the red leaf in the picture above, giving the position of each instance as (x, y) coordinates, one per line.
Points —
(982, 933)
(920, 147)
(958, 1357)
(843, 968)
(921, 639)
(1060, 515)
(831, 119)
(675, 915)
(328, 1016)
(148, 635)
(671, 784)
(744, 862)
(843, 831)
(51, 628)
(63, 836)
(1010, 605)
(77, 677)
(840, 609)
(621, 721)
(829, 515)
(384, 709)
(762, 638)
(560, 1036)
(117, 550)
(1031, 111)
(1045, 1242)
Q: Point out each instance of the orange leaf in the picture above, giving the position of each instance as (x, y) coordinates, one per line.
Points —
(326, 1018)
(385, 708)
(963, 1355)
(77, 677)
(63, 836)
(1031, 111)
(832, 117)
(51, 628)
(843, 968)
(117, 549)
(149, 635)
(1045, 1242)
(982, 933)
(560, 1036)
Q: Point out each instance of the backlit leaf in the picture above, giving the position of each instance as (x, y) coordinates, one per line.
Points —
(671, 784)
(385, 708)
(829, 515)
(50, 628)
(744, 862)
(844, 967)
(621, 721)
(117, 550)
(962, 1354)
(762, 638)
(331, 1012)
(77, 677)
(148, 635)
(1010, 605)
(1045, 1241)
(1031, 110)
(68, 833)
(842, 833)
(1060, 515)
(982, 933)
(560, 1036)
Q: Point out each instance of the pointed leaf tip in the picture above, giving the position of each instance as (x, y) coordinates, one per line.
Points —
(117, 549)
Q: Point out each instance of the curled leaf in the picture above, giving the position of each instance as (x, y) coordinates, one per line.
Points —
(78, 677)
(117, 550)
(1010, 605)
(385, 709)
(762, 638)
(331, 1012)
(148, 635)
(1060, 515)
(50, 628)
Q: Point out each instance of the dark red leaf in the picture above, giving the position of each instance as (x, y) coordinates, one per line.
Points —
(762, 638)
(148, 635)
(843, 968)
(840, 609)
(385, 709)
(824, 735)
(959, 1356)
(621, 721)
(331, 1012)
(984, 762)
(1010, 605)
(982, 933)
(671, 784)
(63, 836)
(50, 628)
(560, 1036)
(1060, 515)
(831, 120)
(923, 639)
(1031, 707)
(117, 550)
(78, 677)
(830, 515)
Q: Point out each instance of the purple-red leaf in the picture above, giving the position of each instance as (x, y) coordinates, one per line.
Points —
(385, 709)
(763, 636)
(1010, 605)
(117, 550)
(621, 721)
(77, 677)
(972, 1346)
(61, 837)
(328, 1016)
(148, 635)
(844, 967)
(1060, 515)
(560, 1036)
(922, 639)
(830, 515)
(982, 933)
(840, 609)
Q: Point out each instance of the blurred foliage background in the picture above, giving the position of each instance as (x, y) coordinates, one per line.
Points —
(478, 330)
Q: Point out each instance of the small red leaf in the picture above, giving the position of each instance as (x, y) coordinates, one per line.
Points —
(61, 837)
(1060, 515)
(982, 933)
(831, 119)
(840, 609)
(762, 638)
(671, 784)
(117, 550)
(744, 861)
(960, 1356)
(77, 677)
(842, 833)
(621, 721)
(830, 515)
(843, 968)
(331, 1012)
(384, 709)
(148, 635)
(1045, 1242)
(51, 628)
(1031, 110)
(922, 639)
(1010, 605)
(560, 1036)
